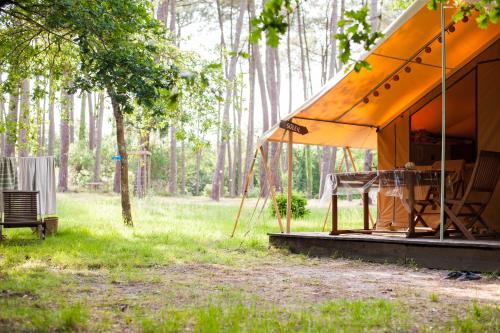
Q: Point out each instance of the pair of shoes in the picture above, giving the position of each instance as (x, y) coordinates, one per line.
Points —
(453, 275)
(463, 276)
(469, 276)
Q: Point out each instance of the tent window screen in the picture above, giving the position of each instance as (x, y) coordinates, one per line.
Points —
(425, 134)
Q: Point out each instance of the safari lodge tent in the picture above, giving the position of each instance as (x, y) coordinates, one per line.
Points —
(396, 107)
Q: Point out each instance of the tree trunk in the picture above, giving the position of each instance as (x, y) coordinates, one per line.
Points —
(172, 182)
(122, 151)
(230, 170)
(83, 108)
(52, 122)
(117, 178)
(91, 122)
(263, 99)
(328, 164)
(63, 159)
(239, 147)
(197, 172)
(374, 15)
(24, 118)
(183, 167)
(289, 60)
(100, 120)
(250, 130)
(3, 120)
(41, 104)
(217, 183)
(273, 102)
(172, 185)
(162, 12)
(10, 147)
(72, 121)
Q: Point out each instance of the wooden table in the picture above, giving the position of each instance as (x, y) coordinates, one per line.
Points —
(363, 182)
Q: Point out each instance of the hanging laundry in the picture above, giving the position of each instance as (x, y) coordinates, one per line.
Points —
(8, 176)
(38, 174)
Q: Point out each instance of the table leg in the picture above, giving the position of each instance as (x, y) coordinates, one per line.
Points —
(366, 211)
(334, 215)
(411, 204)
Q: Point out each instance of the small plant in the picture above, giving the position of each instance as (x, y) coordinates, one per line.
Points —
(299, 204)
(434, 297)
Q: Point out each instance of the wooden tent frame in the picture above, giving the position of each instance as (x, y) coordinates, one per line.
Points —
(347, 154)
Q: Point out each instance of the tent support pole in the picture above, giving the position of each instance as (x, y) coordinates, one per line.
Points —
(271, 187)
(245, 191)
(290, 175)
(443, 124)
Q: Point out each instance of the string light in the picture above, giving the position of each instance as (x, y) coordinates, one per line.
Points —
(418, 60)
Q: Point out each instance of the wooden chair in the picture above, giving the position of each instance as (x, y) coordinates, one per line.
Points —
(20, 211)
(456, 169)
(464, 213)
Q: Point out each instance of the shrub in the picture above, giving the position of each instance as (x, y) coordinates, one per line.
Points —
(299, 203)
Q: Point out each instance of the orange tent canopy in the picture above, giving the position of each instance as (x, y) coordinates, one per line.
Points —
(338, 115)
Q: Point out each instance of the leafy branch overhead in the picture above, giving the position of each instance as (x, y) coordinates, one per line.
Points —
(358, 30)
(272, 20)
(488, 10)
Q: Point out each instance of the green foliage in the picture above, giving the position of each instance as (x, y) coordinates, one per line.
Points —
(488, 10)
(358, 31)
(272, 21)
(299, 204)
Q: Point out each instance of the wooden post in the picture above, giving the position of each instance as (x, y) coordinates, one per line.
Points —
(245, 191)
(410, 176)
(334, 215)
(290, 174)
(352, 159)
(366, 211)
(271, 187)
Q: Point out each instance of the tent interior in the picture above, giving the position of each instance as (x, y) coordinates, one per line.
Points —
(396, 107)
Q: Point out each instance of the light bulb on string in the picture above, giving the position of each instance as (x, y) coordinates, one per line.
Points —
(418, 60)
(366, 100)
(407, 69)
(387, 86)
(376, 93)
(428, 49)
(395, 77)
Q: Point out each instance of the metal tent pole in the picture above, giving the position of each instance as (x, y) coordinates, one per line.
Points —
(443, 124)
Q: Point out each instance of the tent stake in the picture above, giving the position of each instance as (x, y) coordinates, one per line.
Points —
(245, 191)
(271, 187)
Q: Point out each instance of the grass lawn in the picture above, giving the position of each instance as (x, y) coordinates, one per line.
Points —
(177, 270)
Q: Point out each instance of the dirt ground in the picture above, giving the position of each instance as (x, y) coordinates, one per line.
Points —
(430, 297)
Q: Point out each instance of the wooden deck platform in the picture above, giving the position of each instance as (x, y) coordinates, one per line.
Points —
(451, 254)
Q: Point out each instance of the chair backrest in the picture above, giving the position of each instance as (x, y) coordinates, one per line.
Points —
(486, 172)
(20, 206)
(457, 167)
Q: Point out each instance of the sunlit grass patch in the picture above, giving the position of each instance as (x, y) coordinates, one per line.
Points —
(337, 316)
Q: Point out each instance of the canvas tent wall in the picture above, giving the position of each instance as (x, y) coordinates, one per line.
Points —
(478, 84)
(406, 73)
